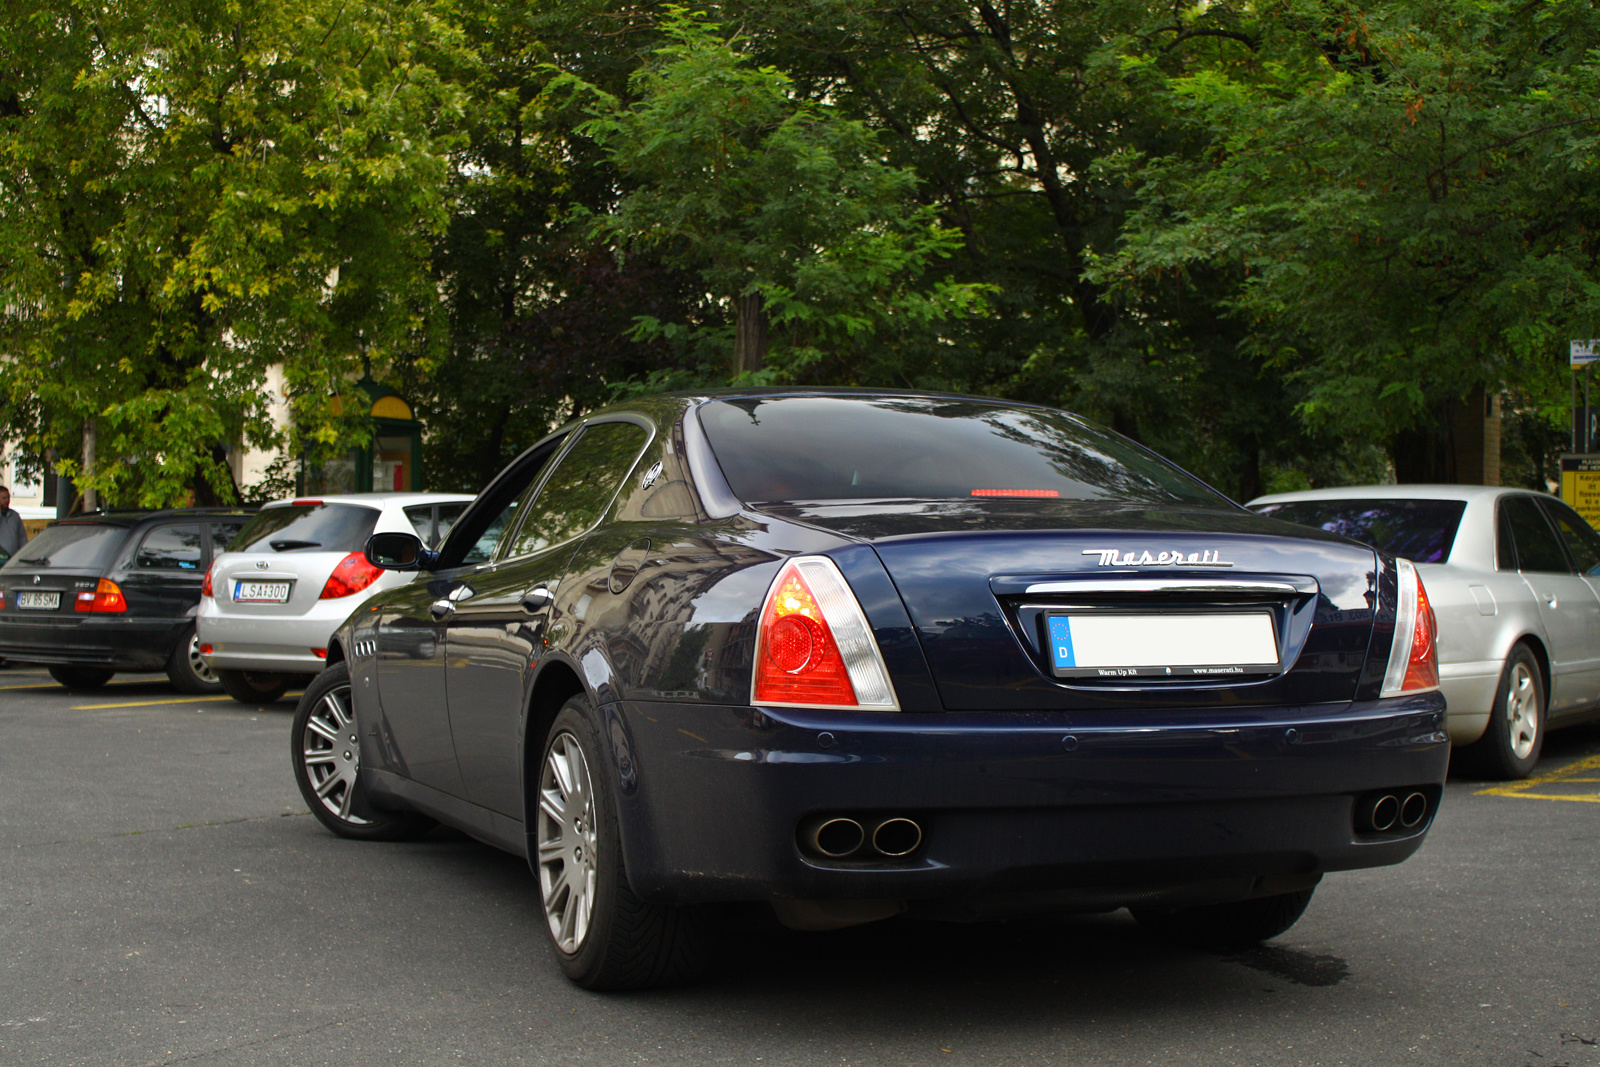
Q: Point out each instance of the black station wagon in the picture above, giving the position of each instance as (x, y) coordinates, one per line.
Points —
(114, 591)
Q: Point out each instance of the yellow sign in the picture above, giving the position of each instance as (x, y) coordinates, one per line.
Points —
(1580, 486)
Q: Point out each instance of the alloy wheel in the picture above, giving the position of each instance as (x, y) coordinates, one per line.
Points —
(1522, 711)
(197, 664)
(567, 840)
(332, 754)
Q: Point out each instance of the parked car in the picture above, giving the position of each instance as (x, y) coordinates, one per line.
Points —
(296, 571)
(853, 654)
(1514, 578)
(114, 591)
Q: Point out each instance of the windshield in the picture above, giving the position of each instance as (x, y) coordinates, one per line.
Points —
(308, 527)
(1419, 530)
(815, 448)
(79, 545)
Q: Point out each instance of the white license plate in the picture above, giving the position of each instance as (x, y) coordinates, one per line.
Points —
(1107, 645)
(39, 601)
(261, 592)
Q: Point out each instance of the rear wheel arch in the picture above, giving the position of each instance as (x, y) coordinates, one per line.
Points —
(1540, 654)
(335, 653)
(556, 684)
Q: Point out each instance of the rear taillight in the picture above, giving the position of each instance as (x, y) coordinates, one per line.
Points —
(107, 597)
(352, 575)
(1414, 654)
(205, 586)
(814, 648)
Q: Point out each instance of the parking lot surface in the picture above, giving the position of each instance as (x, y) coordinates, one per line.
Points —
(165, 899)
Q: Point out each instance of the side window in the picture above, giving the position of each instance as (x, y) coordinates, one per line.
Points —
(1537, 547)
(1505, 546)
(170, 548)
(578, 490)
(483, 549)
(421, 518)
(1577, 535)
(223, 532)
(448, 514)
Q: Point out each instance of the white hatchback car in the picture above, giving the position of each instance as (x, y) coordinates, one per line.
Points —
(293, 574)
(1514, 580)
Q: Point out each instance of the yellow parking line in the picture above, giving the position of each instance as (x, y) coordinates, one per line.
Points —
(57, 685)
(1571, 773)
(152, 703)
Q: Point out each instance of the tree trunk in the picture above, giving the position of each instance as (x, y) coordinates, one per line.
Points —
(750, 336)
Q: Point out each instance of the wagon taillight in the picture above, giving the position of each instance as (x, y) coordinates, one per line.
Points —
(814, 648)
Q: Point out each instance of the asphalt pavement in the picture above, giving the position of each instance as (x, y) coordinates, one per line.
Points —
(166, 899)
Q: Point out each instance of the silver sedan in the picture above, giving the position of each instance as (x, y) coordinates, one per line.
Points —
(1514, 579)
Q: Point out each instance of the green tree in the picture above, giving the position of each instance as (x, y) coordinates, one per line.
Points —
(1409, 192)
(785, 208)
(190, 195)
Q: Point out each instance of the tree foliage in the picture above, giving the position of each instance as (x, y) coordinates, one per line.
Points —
(1409, 191)
(191, 195)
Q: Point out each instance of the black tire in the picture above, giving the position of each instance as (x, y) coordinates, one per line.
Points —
(1226, 927)
(629, 943)
(1506, 750)
(186, 671)
(327, 759)
(82, 677)
(254, 687)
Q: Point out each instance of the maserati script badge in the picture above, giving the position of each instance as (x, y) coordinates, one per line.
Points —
(1111, 557)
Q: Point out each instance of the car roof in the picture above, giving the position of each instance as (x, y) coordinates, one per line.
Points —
(1467, 493)
(374, 500)
(134, 517)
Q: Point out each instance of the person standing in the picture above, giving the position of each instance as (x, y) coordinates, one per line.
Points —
(13, 535)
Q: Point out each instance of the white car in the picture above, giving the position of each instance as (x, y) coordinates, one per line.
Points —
(293, 574)
(1514, 580)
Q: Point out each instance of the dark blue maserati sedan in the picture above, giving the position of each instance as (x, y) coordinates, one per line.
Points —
(853, 654)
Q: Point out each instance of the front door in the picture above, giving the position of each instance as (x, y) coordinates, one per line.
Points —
(499, 636)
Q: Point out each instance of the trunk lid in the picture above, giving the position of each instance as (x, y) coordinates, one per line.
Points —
(1170, 607)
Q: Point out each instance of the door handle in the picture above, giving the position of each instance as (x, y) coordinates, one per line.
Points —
(440, 608)
(538, 599)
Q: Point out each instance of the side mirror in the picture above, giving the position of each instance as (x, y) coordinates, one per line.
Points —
(398, 552)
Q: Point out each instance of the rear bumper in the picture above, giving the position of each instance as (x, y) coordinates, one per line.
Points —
(116, 642)
(712, 797)
(271, 643)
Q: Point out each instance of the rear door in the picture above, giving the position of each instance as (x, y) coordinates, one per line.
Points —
(165, 571)
(1568, 608)
(1583, 548)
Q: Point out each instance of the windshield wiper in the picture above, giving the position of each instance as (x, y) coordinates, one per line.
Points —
(290, 546)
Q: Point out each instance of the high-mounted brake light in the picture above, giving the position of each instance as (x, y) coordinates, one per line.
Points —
(107, 597)
(352, 575)
(813, 646)
(1414, 653)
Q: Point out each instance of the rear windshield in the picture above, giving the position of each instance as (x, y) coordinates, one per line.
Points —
(307, 528)
(78, 545)
(1419, 530)
(799, 448)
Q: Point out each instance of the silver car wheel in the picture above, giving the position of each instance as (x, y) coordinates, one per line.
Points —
(1522, 711)
(567, 843)
(201, 669)
(332, 755)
